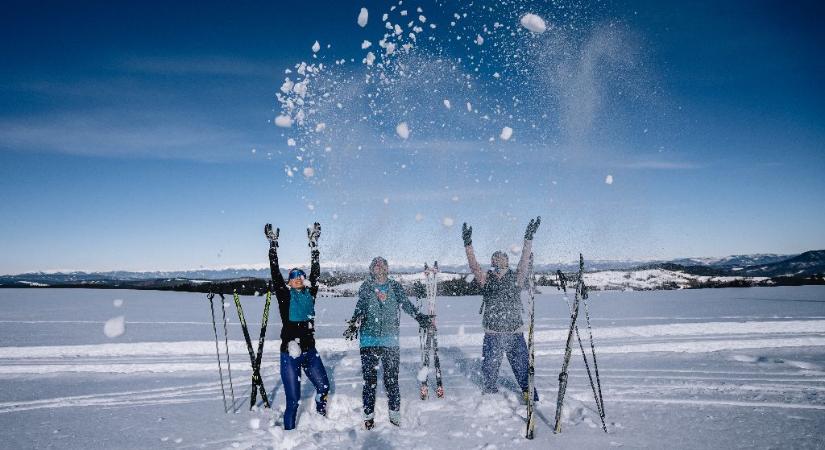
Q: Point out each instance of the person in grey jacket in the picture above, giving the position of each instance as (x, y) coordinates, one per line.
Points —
(502, 309)
(377, 318)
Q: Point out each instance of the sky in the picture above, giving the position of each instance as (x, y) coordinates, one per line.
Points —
(142, 135)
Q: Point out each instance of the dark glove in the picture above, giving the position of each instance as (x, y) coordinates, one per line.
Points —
(273, 237)
(424, 321)
(531, 228)
(313, 234)
(351, 333)
(467, 234)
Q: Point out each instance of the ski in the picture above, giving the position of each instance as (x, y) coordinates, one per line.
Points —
(568, 349)
(429, 337)
(581, 296)
(531, 365)
(257, 380)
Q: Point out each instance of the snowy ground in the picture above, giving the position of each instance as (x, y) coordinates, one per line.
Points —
(722, 368)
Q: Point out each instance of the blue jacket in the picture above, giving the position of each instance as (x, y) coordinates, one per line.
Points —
(380, 320)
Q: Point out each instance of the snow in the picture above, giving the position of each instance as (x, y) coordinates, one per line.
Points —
(316, 47)
(309, 172)
(447, 104)
(608, 179)
(506, 133)
(447, 221)
(294, 348)
(366, 44)
(533, 23)
(118, 302)
(363, 16)
(114, 327)
(403, 130)
(283, 121)
(744, 366)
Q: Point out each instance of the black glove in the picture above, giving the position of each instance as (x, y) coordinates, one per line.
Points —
(351, 333)
(313, 234)
(531, 228)
(467, 234)
(273, 237)
(424, 321)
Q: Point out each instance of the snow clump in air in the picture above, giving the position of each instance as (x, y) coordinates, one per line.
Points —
(363, 16)
(423, 373)
(114, 327)
(316, 47)
(309, 172)
(533, 23)
(608, 179)
(294, 348)
(506, 133)
(447, 221)
(283, 121)
(403, 130)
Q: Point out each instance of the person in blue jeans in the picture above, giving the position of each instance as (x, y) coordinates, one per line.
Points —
(296, 304)
(377, 317)
(502, 310)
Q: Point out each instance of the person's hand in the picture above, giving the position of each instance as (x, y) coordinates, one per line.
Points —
(351, 333)
(425, 321)
(313, 234)
(467, 234)
(531, 228)
(272, 236)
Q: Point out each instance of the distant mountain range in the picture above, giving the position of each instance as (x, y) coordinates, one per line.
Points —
(801, 266)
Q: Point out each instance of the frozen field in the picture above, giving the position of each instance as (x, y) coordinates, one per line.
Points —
(726, 368)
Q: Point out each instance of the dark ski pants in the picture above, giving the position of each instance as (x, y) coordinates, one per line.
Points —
(515, 347)
(390, 359)
(291, 367)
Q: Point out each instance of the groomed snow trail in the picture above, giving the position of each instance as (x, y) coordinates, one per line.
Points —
(689, 369)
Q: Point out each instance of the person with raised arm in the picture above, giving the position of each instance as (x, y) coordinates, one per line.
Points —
(502, 309)
(296, 304)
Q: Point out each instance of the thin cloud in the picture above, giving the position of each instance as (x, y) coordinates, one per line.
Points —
(97, 136)
(206, 66)
(661, 165)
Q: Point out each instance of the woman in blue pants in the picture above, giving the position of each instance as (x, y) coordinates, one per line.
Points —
(296, 304)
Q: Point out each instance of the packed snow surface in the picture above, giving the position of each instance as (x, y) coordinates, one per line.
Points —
(712, 368)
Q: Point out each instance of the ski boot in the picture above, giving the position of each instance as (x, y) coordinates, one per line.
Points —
(439, 391)
(395, 418)
(321, 403)
(424, 392)
(369, 424)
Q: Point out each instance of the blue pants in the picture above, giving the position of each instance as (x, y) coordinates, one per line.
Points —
(514, 346)
(390, 358)
(291, 367)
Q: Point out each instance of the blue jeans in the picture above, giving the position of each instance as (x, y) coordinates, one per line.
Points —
(291, 367)
(515, 347)
(390, 358)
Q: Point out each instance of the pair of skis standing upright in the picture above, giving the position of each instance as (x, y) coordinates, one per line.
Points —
(254, 357)
(580, 297)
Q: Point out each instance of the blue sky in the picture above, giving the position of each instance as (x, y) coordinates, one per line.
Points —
(127, 132)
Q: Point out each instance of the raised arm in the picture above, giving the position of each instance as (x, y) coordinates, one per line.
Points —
(467, 235)
(315, 265)
(527, 250)
(274, 269)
